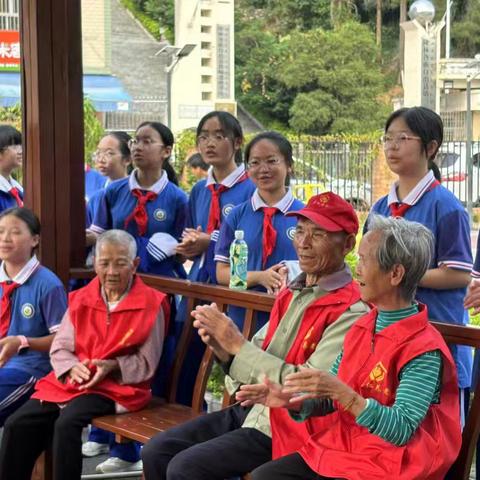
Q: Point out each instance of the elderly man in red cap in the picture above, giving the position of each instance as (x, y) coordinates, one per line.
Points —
(307, 325)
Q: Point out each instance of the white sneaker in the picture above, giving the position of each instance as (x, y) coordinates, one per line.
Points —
(115, 464)
(92, 449)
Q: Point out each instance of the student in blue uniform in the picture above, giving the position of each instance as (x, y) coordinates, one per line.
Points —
(11, 192)
(112, 159)
(150, 206)
(219, 141)
(94, 181)
(32, 304)
(148, 203)
(411, 141)
(268, 232)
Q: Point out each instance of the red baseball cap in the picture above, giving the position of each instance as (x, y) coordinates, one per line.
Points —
(330, 212)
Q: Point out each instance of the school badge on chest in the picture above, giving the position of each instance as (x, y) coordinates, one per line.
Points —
(227, 209)
(159, 215)
(28, 310)
(291, 232)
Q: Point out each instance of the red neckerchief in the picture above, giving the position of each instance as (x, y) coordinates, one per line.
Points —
(6, 306)
(16, 195)
(139, 213)
(398, 209)
(214, 216)
(269, 233)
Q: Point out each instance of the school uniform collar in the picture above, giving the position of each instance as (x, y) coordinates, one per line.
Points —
(230, 180)
(328, 283)
(283, 205)
(23, 275)
(416, 194)
(157, 187)
(6, 184)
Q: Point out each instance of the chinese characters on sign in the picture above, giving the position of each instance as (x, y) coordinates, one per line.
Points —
(429, 53)
(9, 50)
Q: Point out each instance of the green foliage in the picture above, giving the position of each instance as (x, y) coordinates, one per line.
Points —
(185, 145)
(137, 9)
(93, 130)
(12, 116)
(215, 383)
(466, 31)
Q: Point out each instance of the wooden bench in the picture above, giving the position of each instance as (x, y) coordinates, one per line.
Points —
(162, 414)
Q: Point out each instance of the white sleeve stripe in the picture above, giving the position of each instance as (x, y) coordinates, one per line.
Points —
(54, 329)
(222, 259)
(456, 264)
(95, 229)
(475, 274)
(155, 252)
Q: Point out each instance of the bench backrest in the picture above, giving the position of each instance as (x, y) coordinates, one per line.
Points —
(253, 302)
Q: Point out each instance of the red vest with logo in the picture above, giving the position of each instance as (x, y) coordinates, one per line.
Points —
(371, 365)
(106, 335)
(291, 435)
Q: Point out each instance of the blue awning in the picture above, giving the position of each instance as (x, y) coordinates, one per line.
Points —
(106, 92)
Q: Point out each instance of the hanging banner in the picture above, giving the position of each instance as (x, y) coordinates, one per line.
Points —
(9, 50)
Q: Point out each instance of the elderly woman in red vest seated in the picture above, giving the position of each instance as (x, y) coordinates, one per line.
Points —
(388, 408)
(103, 357)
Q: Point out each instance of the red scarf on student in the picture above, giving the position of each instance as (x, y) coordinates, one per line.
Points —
(139, 213)
(6, 306)
(214, 215)
(16, 195)
(269, 233)
(398, 209)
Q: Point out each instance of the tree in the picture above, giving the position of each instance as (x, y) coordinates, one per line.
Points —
(466, 30)
(336, 78)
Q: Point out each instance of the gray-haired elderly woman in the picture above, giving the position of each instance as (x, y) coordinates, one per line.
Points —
(388, 408)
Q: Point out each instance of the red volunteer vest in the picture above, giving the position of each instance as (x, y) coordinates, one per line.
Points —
(291, 435)
(104, 335)
(371, 364)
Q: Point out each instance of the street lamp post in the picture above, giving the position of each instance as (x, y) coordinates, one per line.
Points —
(178, 53)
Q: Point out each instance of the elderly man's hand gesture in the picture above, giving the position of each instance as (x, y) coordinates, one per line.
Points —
(218, 331)
(89, 373)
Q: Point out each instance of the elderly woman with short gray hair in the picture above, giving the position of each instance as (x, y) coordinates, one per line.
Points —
(388, 407)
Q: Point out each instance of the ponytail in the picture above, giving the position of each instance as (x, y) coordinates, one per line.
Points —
(171, 174)
(434, 168)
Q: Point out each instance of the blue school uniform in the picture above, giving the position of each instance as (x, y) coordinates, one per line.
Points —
(94, 181)
(240, 189)
(249, 217)
(441, 212)
(38, 306)
(7, 200)
(166, 216)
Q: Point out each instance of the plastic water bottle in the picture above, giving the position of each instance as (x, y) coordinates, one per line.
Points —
(238, 262)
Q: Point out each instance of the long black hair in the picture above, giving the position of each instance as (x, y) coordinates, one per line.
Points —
(231, 129)
(281, 142)
(168, 140)
(427, 125)
(9, 136)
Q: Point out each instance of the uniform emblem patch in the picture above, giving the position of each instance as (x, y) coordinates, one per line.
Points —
(160, 215)
(227, 209)
(28, 310)
(291, 233)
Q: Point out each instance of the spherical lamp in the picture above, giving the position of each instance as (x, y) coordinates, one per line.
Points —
(423, 11)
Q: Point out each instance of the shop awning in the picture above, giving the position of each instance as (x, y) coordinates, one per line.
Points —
(105, 91)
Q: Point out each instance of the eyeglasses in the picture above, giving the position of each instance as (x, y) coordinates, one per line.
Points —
(214, 137)
(397, 140)
(108, 154)
(256, 164)
(146, 142)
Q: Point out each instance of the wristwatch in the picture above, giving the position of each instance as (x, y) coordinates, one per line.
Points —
(23, 343)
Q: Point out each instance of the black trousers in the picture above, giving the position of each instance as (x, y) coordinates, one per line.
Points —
(290, 467)
(38, 425)
(210, 447)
